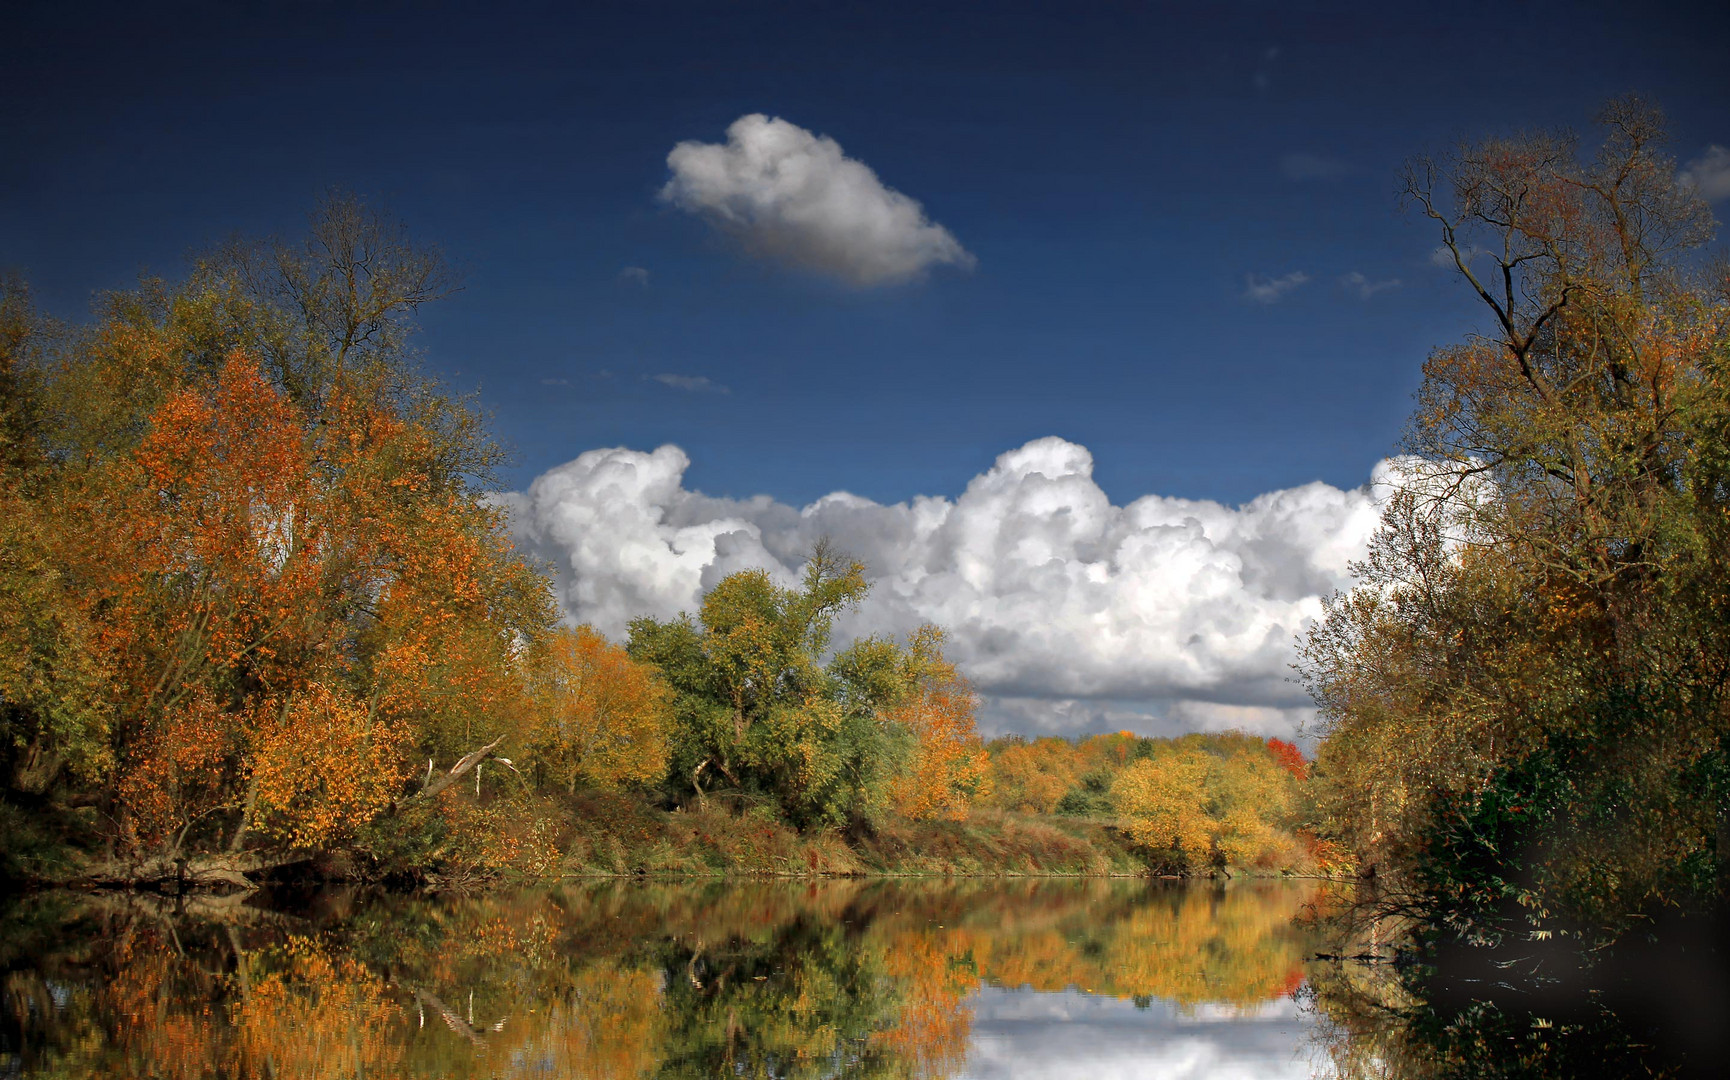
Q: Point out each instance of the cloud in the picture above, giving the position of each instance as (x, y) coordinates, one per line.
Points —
(1710, 173)
(1267, 290)
(788, 195)
(1075, 1035)
(1311, 167)
(1365, 288)
(691, 384)
(1068, 612)
(635, 275)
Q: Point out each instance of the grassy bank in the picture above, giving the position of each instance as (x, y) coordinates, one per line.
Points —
(616, 834)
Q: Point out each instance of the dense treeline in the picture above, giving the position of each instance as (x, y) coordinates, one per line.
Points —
(1524, 700)
(1193, 804)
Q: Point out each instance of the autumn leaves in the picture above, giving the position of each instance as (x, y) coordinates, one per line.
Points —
(1194, 804)
(1524, 701)
(259, 594)
(270, 558)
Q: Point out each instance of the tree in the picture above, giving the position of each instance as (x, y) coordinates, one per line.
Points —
(1527, 685)
(756, 709)
(601, 718)
(297, 588)
(949, 765)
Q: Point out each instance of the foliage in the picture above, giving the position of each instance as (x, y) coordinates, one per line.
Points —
(256, 571)
(949, 766)
(1523, 700)
(1201, 802)
(759, 714)
(600, 718)
(1190, 804)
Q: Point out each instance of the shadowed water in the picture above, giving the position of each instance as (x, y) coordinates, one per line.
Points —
(632, 979)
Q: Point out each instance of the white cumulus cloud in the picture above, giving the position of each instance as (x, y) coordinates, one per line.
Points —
(787, 194)
(1710, 173)
(1069, 613)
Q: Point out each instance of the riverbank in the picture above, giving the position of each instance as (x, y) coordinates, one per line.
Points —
(611, 835)
(604, 835)
(599, 834)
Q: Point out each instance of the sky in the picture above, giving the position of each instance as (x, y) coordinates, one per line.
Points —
(1086, 325)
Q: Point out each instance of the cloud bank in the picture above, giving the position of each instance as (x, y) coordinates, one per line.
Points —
(1070, 614)
(789, 195)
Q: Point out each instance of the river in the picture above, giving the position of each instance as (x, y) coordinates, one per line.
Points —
(973, 978)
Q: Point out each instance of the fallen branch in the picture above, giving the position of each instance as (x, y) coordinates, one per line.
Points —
(474, 757)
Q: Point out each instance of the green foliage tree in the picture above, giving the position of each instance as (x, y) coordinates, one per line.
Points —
(761, 710)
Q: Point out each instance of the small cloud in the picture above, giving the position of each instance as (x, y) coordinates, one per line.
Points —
(787, 194)
(1266, 290)
(555, 382)
(1364, 287)
(1302, 166)
(1262, 79)
(635, 275)
(691, 384)
(1443, 256)
(1709, 173)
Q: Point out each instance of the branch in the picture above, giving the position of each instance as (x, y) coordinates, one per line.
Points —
(468, 761)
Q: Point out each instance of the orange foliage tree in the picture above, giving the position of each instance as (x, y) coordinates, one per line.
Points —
(949, 766)
(280, 540)
(1032, 776)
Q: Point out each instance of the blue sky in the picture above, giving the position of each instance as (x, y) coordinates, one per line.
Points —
(1120, 174)
(1116, 169)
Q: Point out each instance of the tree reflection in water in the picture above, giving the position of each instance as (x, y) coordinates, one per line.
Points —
(1653, 1005)
(609, 980)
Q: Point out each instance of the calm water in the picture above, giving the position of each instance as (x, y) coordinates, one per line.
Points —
(972, 979)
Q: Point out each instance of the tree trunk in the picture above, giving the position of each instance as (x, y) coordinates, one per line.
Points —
(187, 874)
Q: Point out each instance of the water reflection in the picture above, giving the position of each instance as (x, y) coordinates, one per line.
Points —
(639, 979)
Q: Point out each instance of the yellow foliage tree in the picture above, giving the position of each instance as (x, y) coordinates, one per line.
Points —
(601, 718)
(1165, 804)
(1212, 800)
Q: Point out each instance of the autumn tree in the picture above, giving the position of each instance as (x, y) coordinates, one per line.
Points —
(949, 767)
(1528, 682)
(600, 718)
(1211, 800)
(271, 536)
(1032, 776)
